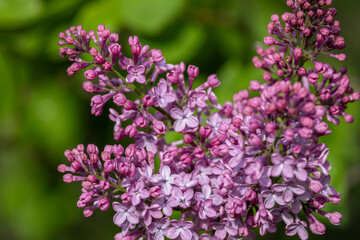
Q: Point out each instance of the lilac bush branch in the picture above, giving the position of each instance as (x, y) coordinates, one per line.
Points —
(250, 163)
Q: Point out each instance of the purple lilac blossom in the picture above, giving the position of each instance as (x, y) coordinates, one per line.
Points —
(250, 164)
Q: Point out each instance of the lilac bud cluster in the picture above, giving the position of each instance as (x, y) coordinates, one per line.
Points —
(251, 163)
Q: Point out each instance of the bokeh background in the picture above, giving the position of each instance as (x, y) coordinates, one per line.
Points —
(43, 111)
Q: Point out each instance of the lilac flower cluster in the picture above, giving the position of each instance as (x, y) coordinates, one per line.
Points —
(251, 163)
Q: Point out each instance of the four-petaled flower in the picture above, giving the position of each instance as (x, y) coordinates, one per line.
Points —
(138, 192)
(181, 199)
(184, 118)
(125, 215)
(181, 228)
(197, 99)
(136, 74)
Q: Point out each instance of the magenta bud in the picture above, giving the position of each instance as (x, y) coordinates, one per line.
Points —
(301, 71)
(296, 149)
(321, 127)
(269, 40)
(99, 59)
(107, 66)
(254, 86)
(114, 37)
(109, 166)
(199, 153)
(126, 198)
(140, 122)
(130, 131)
(155, 191)
(305, 133)
(237, 121)
(307, 122)
(308, 107)
(88, 87)
(104, 204)
(213, 81)
(62, 168)
(289, 134)
(313, 78)
(90, 74)
(91, 178)
(185, 158)
(115, 49)
(270, 127)
(267, 76)
(129, 105)
(348, 118)
(68, 178)
(147, 101)
(193, 71)
(187, 138)
(255, 140)
(205, 131)
(172, 76)
(315, 185)
(159, 127)
(297, 53)
(335, 218)
(119, 99)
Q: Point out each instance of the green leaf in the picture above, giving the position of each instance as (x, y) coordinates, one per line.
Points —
(184, 46)
(150, 17)
(234, 77)
(19, 12)
(52, 118)
(102, 12)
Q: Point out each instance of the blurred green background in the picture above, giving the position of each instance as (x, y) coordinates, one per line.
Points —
(43, 111)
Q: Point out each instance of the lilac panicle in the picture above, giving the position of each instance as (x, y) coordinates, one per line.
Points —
(244, 165)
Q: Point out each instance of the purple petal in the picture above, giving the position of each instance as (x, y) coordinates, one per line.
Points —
(168, 211)
(165, 172)
(276, 170)
(118, 207)
(140, 79)
(269, 202)
(287, 171)
(192, 121)
(140, 69)
(210, 212)
(303, 234)
(167, 188)
(130, 78)
(301, 174)
(144, 194)
(176, 193)
(119, 218)
(278, 187)
(169, 97)
(297, 189)
(135, 199)
(185, 234)
(179, 125)
(188, 195)
(132, 218)
(295, 207)
(287, 218)
(276, 158)
(173, 232)
(176, 113)
(156, 214)
(291, 229)
(159, 235)
(220, 233)
(288, 195)
(131, 69)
